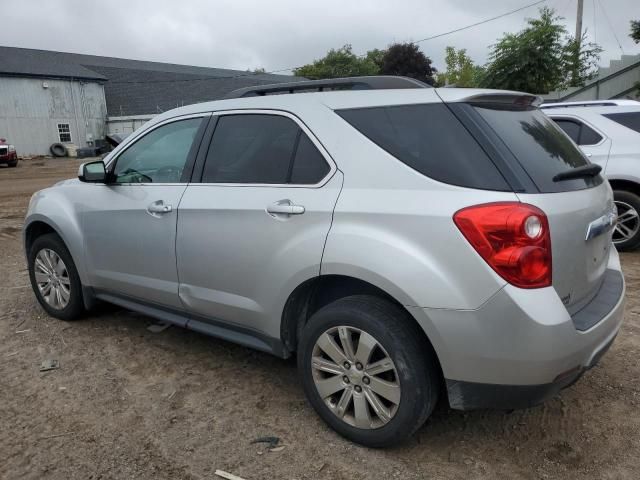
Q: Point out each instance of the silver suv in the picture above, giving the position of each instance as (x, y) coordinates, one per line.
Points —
(407, 243)
(608, 132)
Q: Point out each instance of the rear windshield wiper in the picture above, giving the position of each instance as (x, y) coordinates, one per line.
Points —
(579, 172)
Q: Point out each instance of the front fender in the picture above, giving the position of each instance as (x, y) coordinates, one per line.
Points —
(53, 208)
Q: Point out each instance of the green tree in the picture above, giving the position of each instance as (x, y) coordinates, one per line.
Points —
(339, 63)
(376, 56)
(540, 58)
(635, 30)
(407, 60)
(461, 71)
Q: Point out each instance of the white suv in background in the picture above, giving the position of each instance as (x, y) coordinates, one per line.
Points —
(608, 132)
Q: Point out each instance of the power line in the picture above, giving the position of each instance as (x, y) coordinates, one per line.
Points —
(481, 22)
(606, 17)
(252, 74)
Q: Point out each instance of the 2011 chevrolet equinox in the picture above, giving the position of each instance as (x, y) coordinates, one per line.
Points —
(405, 242)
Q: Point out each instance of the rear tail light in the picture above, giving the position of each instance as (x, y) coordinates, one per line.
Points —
(513, 238)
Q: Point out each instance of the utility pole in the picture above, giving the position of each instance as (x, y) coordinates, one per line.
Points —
(579, 22)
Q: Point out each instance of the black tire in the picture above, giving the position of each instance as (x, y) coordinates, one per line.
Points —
(400, 336)
(58, 150)
(14, 164)
(632, 200)
(75, 307)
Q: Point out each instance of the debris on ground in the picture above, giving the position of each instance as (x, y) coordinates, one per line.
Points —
(158, 327)
(56, 435)
(272, 441)
(227, 475)
(49, 364)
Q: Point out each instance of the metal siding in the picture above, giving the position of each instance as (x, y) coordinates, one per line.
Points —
(29, 113)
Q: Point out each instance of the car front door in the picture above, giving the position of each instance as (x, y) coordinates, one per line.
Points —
(130, 222)
(255, 226)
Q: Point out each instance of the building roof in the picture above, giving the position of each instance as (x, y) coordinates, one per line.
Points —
(134, 87)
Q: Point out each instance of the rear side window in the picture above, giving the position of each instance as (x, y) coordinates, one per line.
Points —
(579, 132)
(262, 149)
(309, 166)
(629, 119)
(431, 140)
(539, 145)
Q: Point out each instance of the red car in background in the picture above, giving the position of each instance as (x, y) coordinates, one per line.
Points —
(8, 153)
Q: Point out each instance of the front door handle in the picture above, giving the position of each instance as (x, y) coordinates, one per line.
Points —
(159, 208)
(285, 207)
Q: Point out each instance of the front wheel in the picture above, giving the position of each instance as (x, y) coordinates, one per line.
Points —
(54, 278)
(367, 370)
(626, 235)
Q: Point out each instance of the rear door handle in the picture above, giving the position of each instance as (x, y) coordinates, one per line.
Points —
(158, 208)
(285, 207)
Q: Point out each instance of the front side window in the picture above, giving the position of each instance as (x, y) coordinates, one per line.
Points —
(159, 156)
(64, 133)
(262, 149)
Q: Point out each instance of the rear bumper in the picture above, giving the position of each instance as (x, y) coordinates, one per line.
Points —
(473, 396)
(522, 346)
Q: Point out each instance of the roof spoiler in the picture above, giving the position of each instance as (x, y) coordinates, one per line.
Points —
(507, 99)
(379, 82)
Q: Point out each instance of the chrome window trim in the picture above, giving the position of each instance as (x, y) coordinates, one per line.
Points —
(129, 142)
(323, 151)
(568, 116)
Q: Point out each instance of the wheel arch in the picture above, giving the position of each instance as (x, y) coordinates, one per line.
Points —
(311, 295)
(36, 229)
(626, 185)
(38, 226)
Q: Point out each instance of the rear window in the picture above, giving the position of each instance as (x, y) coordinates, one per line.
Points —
(539, 145)
(431, 140)
(629, 119)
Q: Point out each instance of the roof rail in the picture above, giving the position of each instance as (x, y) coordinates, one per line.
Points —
(591, 103)
(348, 83)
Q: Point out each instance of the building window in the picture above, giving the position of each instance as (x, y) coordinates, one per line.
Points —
(64, 132)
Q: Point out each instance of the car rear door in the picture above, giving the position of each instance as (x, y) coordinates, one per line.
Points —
(130, 223)
(253, 225)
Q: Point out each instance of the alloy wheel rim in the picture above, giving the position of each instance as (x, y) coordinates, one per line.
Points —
(52, 279)
(355, 377)
(628, 222)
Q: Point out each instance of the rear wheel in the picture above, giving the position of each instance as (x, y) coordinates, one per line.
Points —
(626, 235)
(14, 164)
(367, 371)
(54, 278)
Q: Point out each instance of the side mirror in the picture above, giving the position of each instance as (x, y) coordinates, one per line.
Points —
(93, 172)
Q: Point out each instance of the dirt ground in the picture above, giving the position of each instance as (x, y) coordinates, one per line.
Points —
(129, 403)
